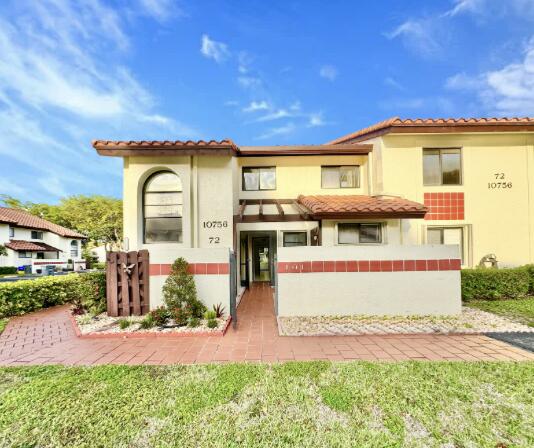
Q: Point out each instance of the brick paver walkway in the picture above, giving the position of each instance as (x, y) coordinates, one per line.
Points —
(47, 337)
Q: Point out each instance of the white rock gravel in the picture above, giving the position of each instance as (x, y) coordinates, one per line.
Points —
(103, 323)
(469, 321)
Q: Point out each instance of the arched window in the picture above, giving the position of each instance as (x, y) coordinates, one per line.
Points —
(74, 249)
(162, 208)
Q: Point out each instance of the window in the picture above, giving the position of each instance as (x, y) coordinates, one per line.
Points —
(295, 239)
(446, 235)
(442, 167)
(261, 178)
(40, 255)
(74, 249)
(25, 254)
(347, 176)
(36, 235)
(162, 208)
(12, 232)
(349, 233)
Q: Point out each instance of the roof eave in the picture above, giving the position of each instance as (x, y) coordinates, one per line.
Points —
(370, 215)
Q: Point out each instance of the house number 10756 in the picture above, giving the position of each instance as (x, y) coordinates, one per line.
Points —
(500, 182)
(214, 224)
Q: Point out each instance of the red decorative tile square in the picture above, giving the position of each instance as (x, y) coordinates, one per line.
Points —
(200, 268)
(341, 266)
(352, 266)
(420, 265)
(443, 265)
(165, 269)
(317, 266)
(455, 265)
(306, 266)
(398, 265)
(409, 265)
(444, 206)
(224, 268)
(364, 266)
(386, 265)
(374, 265)
(282, 266)
(154, 269)
(431, 265)
(329, 266)
(212, 268)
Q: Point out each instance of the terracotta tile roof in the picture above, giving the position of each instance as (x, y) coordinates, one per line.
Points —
(417, 124)
(361, 206)
(21, 218)
(30, 246)
(163, 144)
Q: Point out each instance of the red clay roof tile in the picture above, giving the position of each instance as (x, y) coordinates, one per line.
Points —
(30, 246)
(24, 219)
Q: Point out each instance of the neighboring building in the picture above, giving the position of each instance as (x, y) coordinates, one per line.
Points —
(37, 243)
(401, 182)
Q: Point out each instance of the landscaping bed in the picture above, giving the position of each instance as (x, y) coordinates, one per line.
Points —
(314, 404)
(469, 321)
(519, 310)
(104, 325)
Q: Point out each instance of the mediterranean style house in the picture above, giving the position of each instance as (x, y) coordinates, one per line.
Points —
(35, 244)
(460, 182)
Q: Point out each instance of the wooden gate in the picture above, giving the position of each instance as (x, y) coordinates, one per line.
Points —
(127, 283)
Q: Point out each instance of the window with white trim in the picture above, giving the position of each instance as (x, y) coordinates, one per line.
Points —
(442, 166)
(36, 235)
(446, 235)
(162, 208)
(342, 176)
(74, 249)
(259, 178)
(24, 254)
(359, 233)
(291, 239)
(11, 232)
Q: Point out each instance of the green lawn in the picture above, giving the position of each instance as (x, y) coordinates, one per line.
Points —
(412, 404)
(520, 310)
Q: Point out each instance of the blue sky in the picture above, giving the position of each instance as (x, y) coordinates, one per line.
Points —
(277, 72)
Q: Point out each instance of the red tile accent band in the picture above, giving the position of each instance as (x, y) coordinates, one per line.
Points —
(444, 206)
(194, 268)
(304, 267)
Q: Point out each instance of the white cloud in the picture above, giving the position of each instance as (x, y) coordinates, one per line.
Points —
(11, 188)
(274, 132)
(418, 35)
(463, 6)
(391, 82)
(329, 72)
(161, 10)
(505, 91)
(316, 120)
(249, 82)
(276, 115)
(218, 51)
(255, 106)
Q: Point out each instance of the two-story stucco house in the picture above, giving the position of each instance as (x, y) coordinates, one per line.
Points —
(34, 242)
(463, 182)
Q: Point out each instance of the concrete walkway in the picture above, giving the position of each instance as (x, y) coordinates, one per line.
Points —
(47, 337)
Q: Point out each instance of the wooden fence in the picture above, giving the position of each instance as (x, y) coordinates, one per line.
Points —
(127, 283)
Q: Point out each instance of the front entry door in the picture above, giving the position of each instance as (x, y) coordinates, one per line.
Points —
(261, 259)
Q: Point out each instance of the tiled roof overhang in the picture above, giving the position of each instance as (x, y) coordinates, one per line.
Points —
(30, 246)
(222, 147)
(164, 147)
(360, 206)
(438, 126)
(21, 218)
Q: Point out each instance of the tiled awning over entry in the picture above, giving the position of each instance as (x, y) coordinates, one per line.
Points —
(361, 206)
(30, 246)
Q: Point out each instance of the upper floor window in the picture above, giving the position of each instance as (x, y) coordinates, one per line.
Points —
(346, 176)
(162, 208)
(292, 239)
(259, 178)
(36, 235)
(442, 166)
(11, 232)
(352, 233)
(74, 249)
(25, 255)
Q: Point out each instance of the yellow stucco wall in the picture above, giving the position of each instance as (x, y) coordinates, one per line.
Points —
(496, 220)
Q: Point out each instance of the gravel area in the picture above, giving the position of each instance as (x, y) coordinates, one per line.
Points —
(103, 323)
(469, 321)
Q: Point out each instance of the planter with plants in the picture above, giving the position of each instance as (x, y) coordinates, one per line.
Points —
(182, 314)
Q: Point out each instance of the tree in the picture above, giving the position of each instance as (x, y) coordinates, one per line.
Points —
(180, 287)
(3, 250)
(97, 217)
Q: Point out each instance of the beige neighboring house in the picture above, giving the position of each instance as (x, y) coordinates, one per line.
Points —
(376, 222)
(37, 244)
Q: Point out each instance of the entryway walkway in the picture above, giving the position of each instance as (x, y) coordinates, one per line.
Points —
(47, 337)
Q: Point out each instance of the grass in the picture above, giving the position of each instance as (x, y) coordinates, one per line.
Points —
(520, 310)
(294, 404)
(3, 324)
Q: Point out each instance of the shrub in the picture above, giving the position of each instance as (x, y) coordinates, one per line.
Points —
(210, 314)
(193, 322)
(530, 269)
(495, 284)
(219, 310)
(99, 265)
(6, 270)
(124, 323)
(181, 314)
(147, 322)
(180, 287)
(212, 323)
(159, 316)
(29, 295)
(91, 294)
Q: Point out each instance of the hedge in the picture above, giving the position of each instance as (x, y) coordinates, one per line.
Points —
(25, 296)
(8, 270)
(496, 284)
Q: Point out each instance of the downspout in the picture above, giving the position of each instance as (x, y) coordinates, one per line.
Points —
(194, 202)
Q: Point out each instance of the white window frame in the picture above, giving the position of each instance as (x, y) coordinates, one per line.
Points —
(339, 187)
(383, 233)
(25, 252)
(296, 231)
(11, 232)
(39, 233)
(466, 240)
(440, 149)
